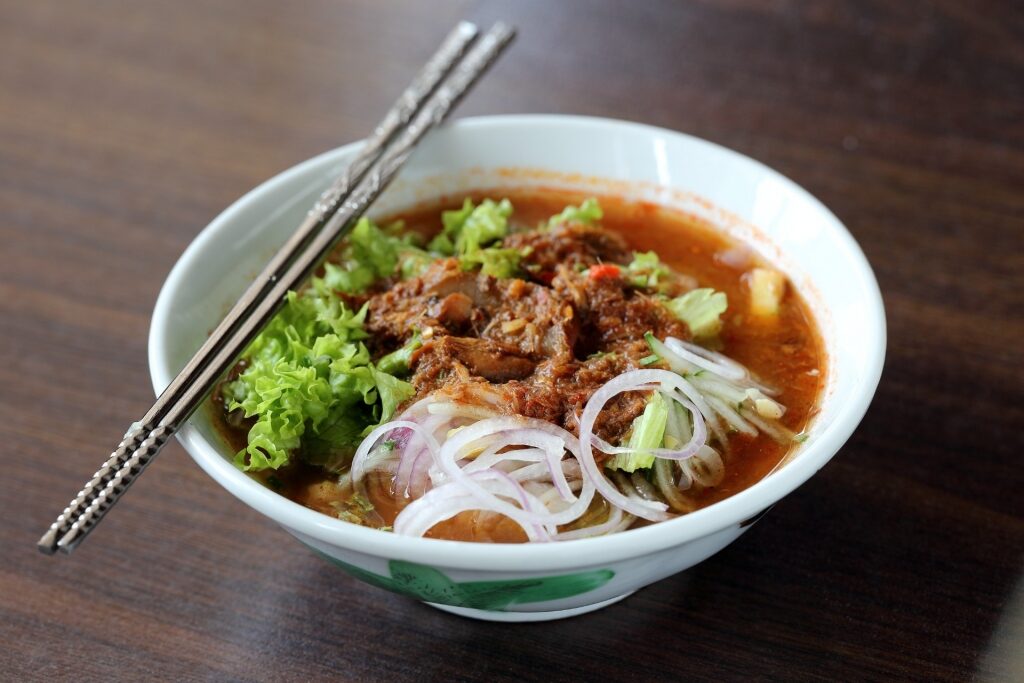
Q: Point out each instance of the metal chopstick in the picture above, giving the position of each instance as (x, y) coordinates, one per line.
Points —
(144, 440)
(452, 49)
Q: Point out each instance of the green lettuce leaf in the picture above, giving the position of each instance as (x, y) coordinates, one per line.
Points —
(391, 392)
(701, 310)
(397, 362)
(588, 213)
(333, 446)
(646, 270)
(473, 234)
(309, 382)
(472, 227)
(648, 431)
(371, 253)
(494, 261)
(412, 261)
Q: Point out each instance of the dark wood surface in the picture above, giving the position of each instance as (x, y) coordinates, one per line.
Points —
(126, 126)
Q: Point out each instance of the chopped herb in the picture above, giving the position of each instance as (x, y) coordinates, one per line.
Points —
(649, 360)
(801, 437)
(362, 502)
(356, 510)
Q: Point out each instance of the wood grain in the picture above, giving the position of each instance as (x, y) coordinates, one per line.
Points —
(126, 126)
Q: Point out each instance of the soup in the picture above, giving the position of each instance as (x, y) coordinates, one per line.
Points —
(541, 367)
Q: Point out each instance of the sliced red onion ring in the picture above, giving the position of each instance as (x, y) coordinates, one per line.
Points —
(551, 448)
(706, 468)
(571, 468)
(359, 461)
(447, 462)
(448, 500)
(412, 461)
(715, 362)
(491, 458)
(629, 381)
(686, 451)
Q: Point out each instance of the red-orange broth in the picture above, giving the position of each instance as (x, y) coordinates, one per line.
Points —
(783, 351)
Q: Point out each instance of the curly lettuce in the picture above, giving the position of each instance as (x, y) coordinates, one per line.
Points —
(587, 213)
(494, 261)
(310, 384)
(473, 233)
(370, 254)
(472, 227)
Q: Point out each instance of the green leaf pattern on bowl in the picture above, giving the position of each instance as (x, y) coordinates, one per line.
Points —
(429, 584)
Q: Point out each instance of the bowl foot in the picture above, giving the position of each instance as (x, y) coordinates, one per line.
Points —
(487, 615)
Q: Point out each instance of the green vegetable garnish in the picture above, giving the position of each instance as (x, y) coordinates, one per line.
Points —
(310, 383)
(472, 227)
(646, 270)
(397, 362)
(494, 261)
(413, 261)
(370, 254)
(473, 233)
(355, 509)
(701, 310)
(648, 432)
(588, 213)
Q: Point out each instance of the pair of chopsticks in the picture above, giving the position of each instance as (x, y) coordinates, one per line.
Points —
(455, 68)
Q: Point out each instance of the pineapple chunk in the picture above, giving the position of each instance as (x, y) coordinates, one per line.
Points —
(766, 289)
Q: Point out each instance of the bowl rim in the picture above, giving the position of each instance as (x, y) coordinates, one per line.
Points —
(736, 509)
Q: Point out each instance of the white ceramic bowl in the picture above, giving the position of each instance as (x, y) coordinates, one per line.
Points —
(545, 580)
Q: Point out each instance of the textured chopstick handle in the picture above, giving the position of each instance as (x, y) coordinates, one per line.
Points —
(132, 438)
(115, 486)
(424, 104)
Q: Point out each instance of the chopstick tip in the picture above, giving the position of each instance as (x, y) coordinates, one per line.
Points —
(503, 29)
(47, 545)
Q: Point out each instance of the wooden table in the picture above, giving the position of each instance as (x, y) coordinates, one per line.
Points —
(126, 126)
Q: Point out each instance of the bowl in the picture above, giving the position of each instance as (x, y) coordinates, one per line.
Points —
(744, 198)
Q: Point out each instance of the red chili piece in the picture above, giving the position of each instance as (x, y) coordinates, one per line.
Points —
(603, 271)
